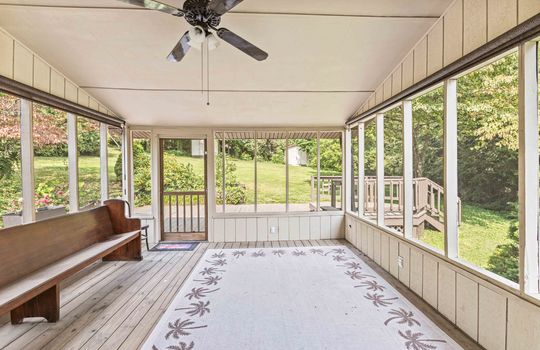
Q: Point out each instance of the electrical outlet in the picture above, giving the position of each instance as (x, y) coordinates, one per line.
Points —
(400, 261)
(273, 229)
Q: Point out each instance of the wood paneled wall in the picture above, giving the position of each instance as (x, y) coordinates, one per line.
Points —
(494, 317)
(19, 63)
(465, 26)
(258, 228)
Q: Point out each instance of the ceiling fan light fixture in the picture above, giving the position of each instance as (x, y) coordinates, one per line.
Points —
(213, 42)
(197, 35)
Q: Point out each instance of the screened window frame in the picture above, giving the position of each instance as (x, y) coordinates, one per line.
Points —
(529, 233)
(256, 133)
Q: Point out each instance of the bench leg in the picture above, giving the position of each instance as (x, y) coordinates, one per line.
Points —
(129, 252)
(46, 304)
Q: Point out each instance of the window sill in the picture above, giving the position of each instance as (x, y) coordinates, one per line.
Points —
(278, 214)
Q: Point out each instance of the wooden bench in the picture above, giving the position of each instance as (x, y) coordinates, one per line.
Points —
(36, 257)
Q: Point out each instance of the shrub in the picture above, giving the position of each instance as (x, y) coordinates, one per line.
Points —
(235, 192)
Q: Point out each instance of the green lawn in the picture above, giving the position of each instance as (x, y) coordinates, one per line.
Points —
(51, 177)
(270, 179)
(480, 232)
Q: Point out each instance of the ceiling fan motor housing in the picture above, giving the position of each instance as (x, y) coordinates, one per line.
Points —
(196, 13)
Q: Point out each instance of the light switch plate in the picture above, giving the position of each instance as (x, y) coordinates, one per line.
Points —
(400, 262)
(273, 229)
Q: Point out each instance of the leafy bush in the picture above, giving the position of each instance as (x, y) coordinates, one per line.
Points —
(235, 192)
(179, 176)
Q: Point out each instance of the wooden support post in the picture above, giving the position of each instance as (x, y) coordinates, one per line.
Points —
(73, 166)
(408, 197)
(528, 169)
(380, 169)
(361, 168)
(104, 162)
(46, 304)
(450, 170)
(287, 173)
(349, 165)
(27, 162)
(318, 171)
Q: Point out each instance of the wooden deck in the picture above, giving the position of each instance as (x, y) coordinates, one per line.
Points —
(114, 305)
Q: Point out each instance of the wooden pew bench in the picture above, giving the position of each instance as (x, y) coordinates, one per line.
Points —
(36, 257)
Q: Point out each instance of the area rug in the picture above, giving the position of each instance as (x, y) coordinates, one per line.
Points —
(291, 298)
(174, 246)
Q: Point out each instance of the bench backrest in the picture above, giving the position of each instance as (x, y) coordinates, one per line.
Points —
(27, 248)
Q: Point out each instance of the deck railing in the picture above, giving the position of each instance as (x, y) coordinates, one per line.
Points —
(184, 211)
(428, 196)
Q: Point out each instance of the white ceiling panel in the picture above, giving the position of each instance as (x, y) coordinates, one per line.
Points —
(320, 69)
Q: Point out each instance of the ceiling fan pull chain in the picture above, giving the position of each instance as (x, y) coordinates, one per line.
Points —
(202, 71)
(207, 75)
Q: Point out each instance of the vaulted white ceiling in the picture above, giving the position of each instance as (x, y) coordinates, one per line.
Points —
(326, 57)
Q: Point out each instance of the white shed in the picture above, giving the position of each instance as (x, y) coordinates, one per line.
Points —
(297, 156)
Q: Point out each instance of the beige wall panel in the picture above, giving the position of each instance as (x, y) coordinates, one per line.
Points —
(527, 9)
(284, 229)
(430, 280)
(251, 229)
(337, 227)
(349, 230)
(42, 75)
(396, 81)
(408, 71)
(315, 227)
(83, 98)
(385, 252)
(502, 16)
(6, 55)
(57, 84)
(379, 95)
(404, 273)
(370, 234)
(371, 101)
(387, 88)
(474, 24)
(230, 230)
(435, 48)
(262, 229)
(523, 325)
(294, 228)
(377, 246)
(364, 243)
(93, 104)
(241, 233)
(273, 222)
(467, 305)
(71, 92)
(415, 278)
(219, 230)
(304, 227)
(102, 109)
(447, 292)
(23, 71)
(453, 33)
(326, 227)
(394, 252)
(491, 319)
(420, 60)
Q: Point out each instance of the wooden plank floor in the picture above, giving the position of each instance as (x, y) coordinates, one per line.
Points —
(114, 305)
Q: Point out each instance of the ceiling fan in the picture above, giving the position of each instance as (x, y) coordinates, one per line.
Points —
(204, 16)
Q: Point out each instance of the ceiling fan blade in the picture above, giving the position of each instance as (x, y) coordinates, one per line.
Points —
(180, 50)
(155, 5)
(222, 6)
(242, 44)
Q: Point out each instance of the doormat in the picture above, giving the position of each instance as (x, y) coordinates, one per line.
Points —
(174, 246)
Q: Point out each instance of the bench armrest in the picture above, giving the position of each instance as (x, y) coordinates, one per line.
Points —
(117, 211)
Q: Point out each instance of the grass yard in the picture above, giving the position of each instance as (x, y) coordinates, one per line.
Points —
(480, 232)
(270, 179)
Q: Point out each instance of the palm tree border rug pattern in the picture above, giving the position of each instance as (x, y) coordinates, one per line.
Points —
(291, 298)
